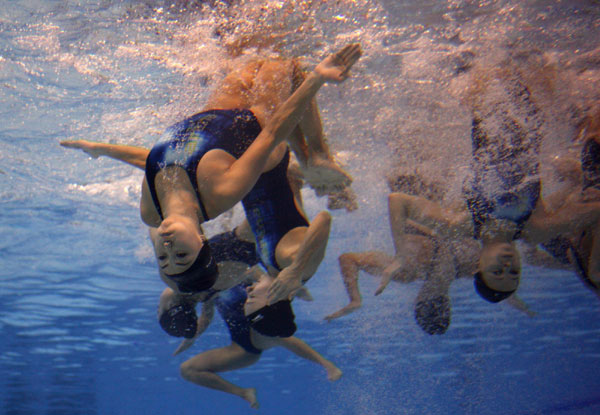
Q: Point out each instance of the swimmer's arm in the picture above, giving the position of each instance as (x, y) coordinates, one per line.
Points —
(571, 219)
(208, 311)
(515, 302)
(239, 177)
(540, 258)
(594, 261)
(135, 156)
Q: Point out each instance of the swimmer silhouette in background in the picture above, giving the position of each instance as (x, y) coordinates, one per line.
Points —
(438, 262)
(253, 327)
(503, 196)
(581, 251)
(235, 151)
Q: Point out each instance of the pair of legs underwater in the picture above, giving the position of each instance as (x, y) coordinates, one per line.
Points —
(247, 341)
(424, 257)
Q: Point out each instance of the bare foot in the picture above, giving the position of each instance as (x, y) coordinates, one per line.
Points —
(333, 372)
(87, 146)
(345, 199)
(325, 176)
(304, 294)
(249, 394)
(343, 311)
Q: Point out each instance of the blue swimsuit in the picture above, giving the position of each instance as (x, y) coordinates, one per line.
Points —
(505, 145)
(230, 305)
(185, 143)
(228, 247)
(272, 212)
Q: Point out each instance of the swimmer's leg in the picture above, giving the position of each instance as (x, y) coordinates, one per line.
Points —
(271, 88)
(202, 370)
(351, 263)
(235, 90)
(299, 253)
(135, 156)
(320, 170)
(303, 350)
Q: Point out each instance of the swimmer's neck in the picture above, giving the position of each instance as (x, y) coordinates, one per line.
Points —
(176, 195)
(498, 230)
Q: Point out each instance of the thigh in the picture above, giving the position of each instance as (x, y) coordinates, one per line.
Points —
(223, 359)
(272, 86)
(235, 91)
(371, 262)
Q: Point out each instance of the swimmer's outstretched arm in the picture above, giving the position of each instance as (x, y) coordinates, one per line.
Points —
(570, 219)
(232, 182)
(135, 156)
(208, 312)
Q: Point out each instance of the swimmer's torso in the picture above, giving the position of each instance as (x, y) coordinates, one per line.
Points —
(185, 143)
(506, 138)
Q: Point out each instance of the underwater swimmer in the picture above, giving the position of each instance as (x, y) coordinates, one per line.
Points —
(207, 163)
(581, 251)
(503, 196)
(435, 261)
(253, 327)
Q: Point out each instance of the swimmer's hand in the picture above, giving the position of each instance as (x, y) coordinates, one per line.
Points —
(390, 272)
(336, 67)
(285, 286)
(184, 345)
(88, 147)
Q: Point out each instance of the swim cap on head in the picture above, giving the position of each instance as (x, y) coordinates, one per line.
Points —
(276, 320)
(433, 314)
(200, 276)
(487, 293)
(180, 321)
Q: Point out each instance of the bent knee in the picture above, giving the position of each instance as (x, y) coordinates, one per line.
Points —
(346, 259)
(187, 370)
(324, 218)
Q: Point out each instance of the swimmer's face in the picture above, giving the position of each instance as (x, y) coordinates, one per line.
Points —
(257, 294)
(500, 266)
(176, 245)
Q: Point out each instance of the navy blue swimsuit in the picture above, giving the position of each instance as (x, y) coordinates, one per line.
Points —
(505, 141)
(230, 305)
(228, 247)
(185, 143)
(272, 212)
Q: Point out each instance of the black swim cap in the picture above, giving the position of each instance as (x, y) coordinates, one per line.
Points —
(487, 293)
(275, 320)
(180, 321)
(433, 314)
(200, 276)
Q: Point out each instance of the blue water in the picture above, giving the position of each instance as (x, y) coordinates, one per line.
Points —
(78, 286)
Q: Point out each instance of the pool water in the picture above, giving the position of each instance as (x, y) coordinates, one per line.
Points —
(78, 283)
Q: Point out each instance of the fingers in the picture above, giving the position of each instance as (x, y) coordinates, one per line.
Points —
(275, 293)
(348, 56)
